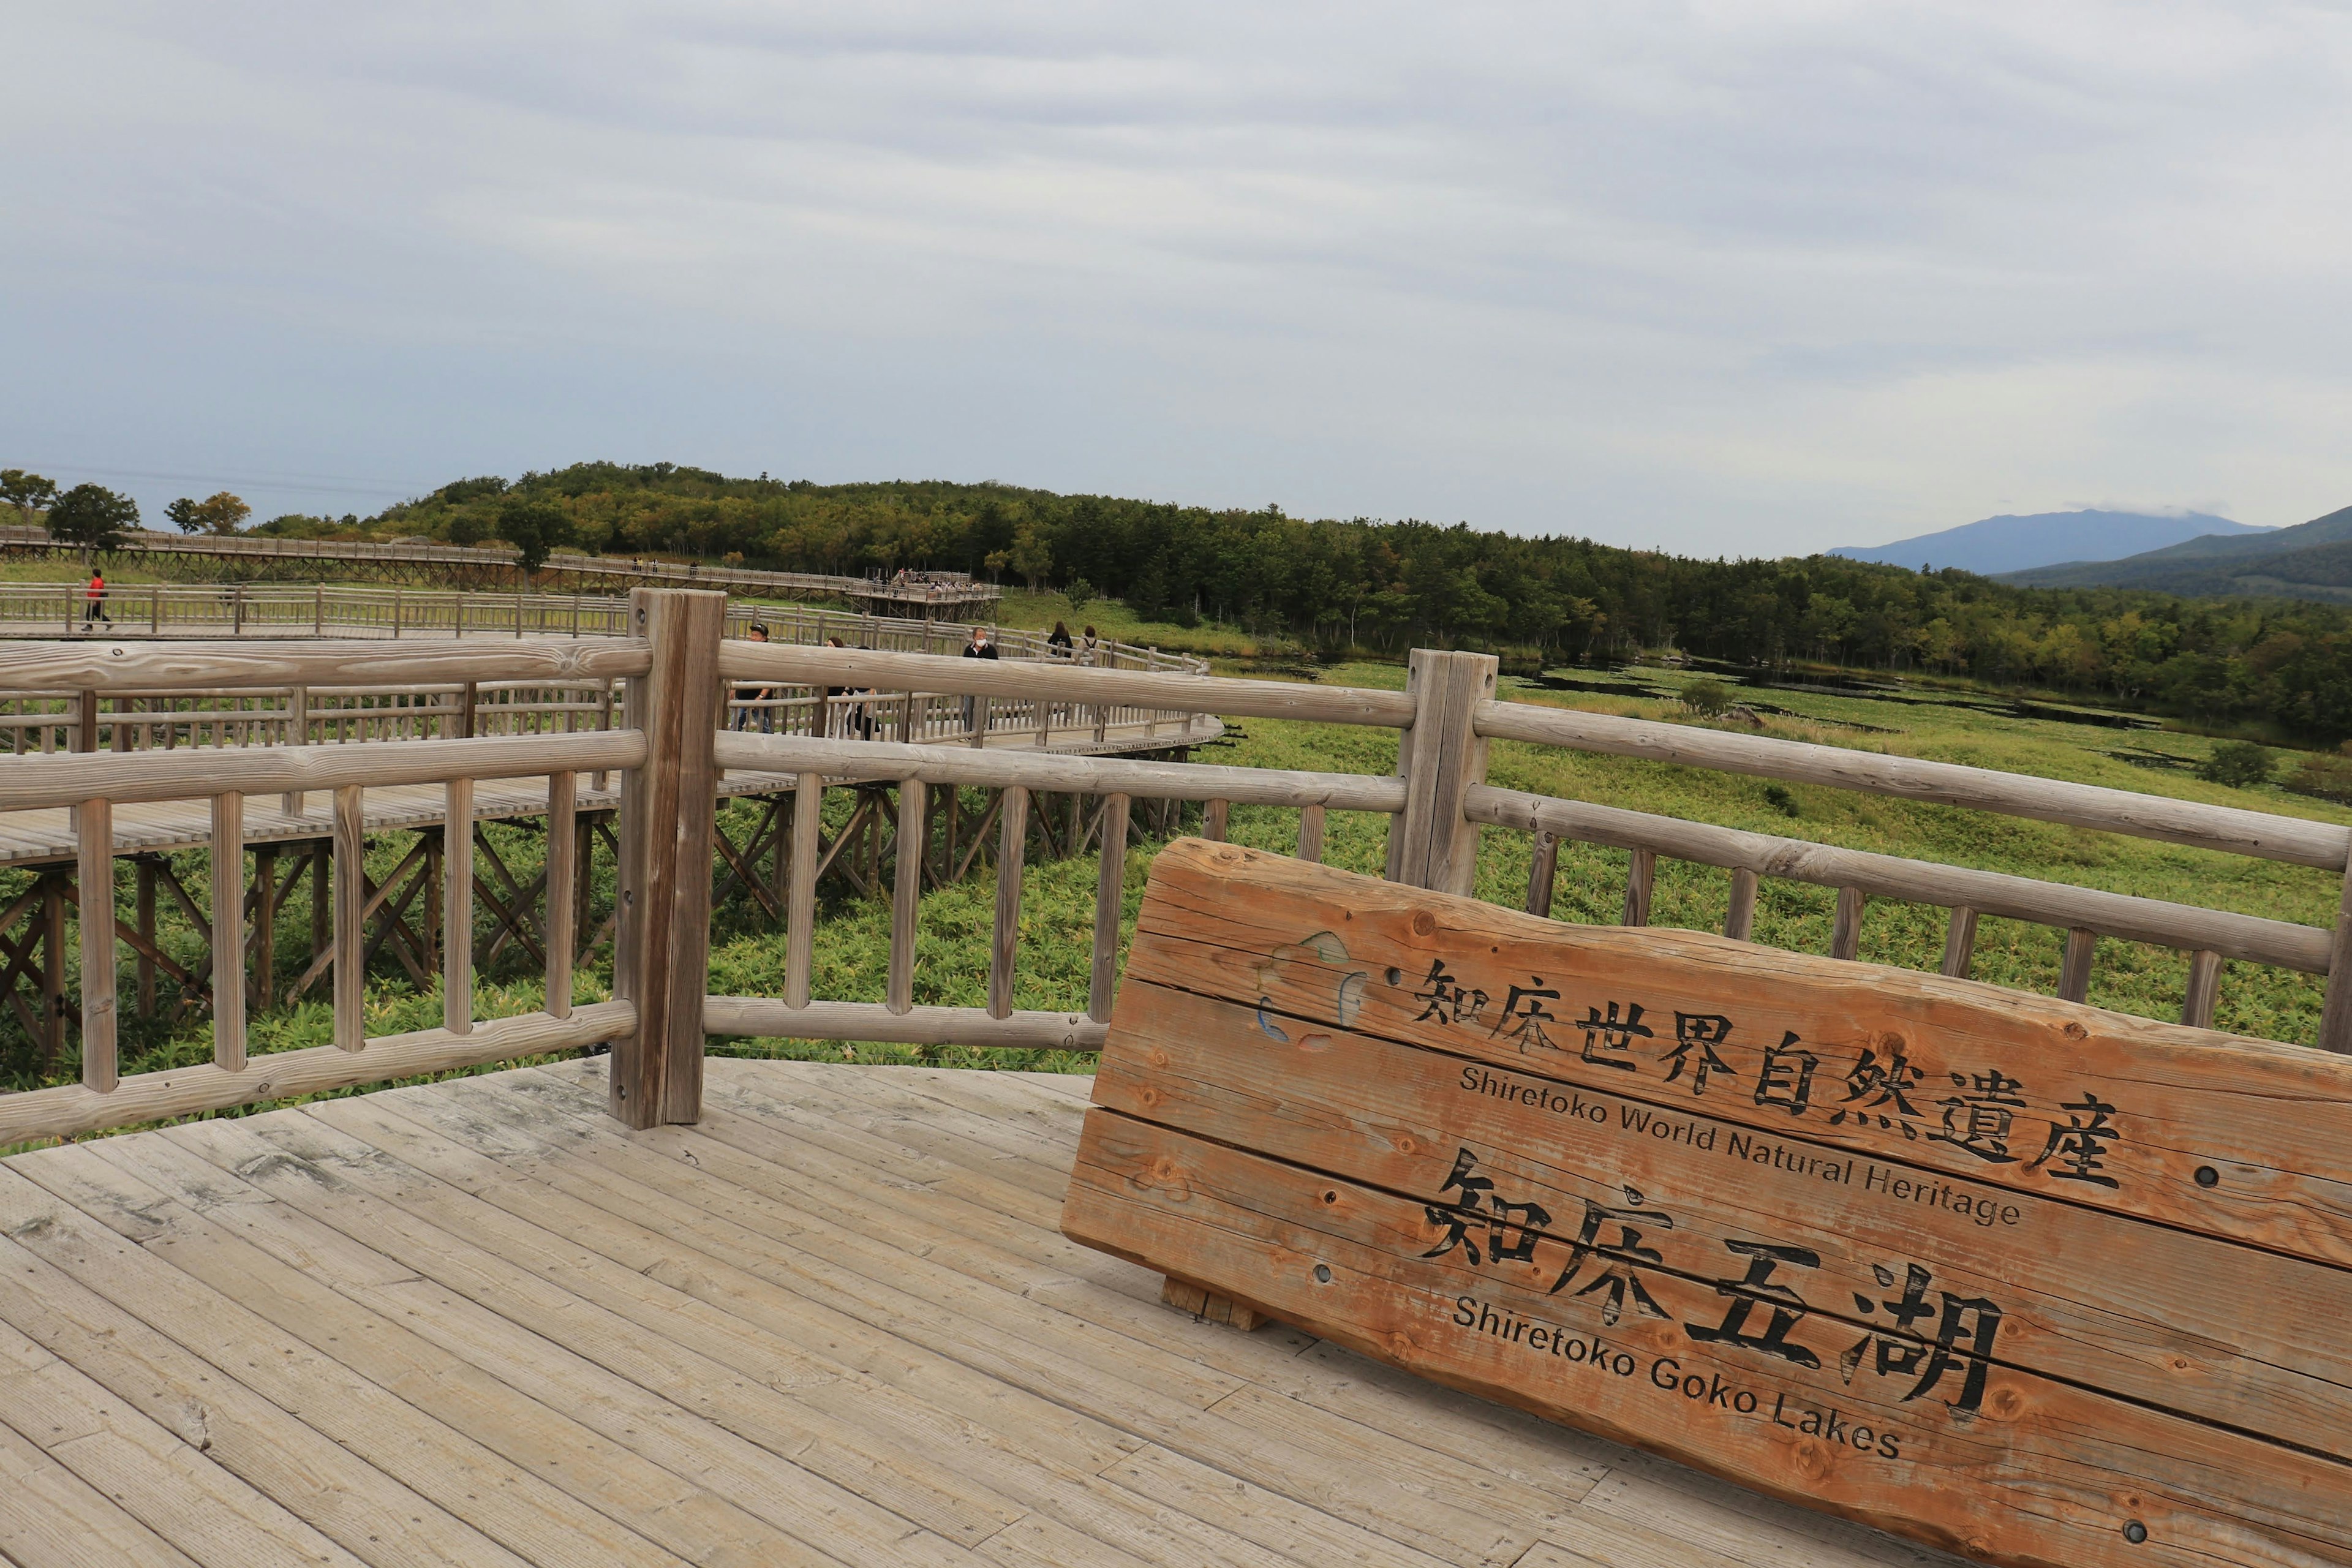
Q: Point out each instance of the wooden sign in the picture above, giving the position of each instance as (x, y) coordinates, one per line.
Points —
(2029, 1280)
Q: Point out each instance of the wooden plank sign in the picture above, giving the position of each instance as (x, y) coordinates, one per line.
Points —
(2029, 1280)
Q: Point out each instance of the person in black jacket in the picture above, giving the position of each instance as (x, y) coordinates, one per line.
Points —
(978, 648)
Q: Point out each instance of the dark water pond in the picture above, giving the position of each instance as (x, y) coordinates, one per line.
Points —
(1875, 689)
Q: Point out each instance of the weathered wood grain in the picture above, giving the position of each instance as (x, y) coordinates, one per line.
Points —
(2091, 1298)
(2044, 1474)
(2201, 1140)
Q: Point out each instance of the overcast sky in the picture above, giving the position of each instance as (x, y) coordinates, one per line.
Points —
(1744, 279)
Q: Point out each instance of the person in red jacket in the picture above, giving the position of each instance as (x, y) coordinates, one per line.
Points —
(94, 609)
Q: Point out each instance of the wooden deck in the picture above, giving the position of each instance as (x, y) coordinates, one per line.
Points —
(478, 1323)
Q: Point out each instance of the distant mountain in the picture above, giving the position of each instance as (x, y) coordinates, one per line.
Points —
(1998, 544)
(2310, 561)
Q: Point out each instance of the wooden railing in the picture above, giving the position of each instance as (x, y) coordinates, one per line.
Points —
(670, 749)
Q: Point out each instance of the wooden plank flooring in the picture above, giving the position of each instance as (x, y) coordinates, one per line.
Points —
(835, 1323)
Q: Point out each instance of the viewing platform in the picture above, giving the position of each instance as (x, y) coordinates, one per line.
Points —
(479, 1322)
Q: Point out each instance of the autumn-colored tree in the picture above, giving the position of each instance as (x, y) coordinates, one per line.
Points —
(220, 512)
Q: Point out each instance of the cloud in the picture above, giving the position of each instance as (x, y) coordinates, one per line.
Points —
(1720, 278)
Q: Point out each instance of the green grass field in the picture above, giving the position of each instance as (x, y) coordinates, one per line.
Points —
(852, 943)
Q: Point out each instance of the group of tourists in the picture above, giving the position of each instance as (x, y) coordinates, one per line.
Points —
(848, 712)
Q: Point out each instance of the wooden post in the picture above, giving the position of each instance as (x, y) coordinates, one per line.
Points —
(1739, 923)
(458, 905)
(907, 894)
(321, 909)
(228, 931)
(662, 953)
(265, 920)
(86, 727)
(2204, 989)
(1310, 833)
(1110, 902)
(53, 971)
(466, 703)
(1845, 937)
(122, 731)
(298, 733)
(2336, 1017)
(799, 910)
(94, 870)
(1431, 844)
(145, 877)
(599, 781)
(1213, 817)
(1543, 873)
(1960, 942)
(562, 843)
(350, 902)
(1012, 842)
(2075, 978)
(1641, 873)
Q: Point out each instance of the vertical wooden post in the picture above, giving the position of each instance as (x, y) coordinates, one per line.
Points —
(1739, 923)
(321, 909)
(2075, 978)
(2336, 1017)
(1214, 816)
(467, 702)
(351, 899)
(1310, 833)
(265, 921)
(599, 781)
(1641, 875)
(457, 906)
(53, 970)
(799, 910)
(1012, 843)
(1845, 937)
(2204, 989)
(145, 867)
(86, 726)
(94, 870)
(907, 894)
(662, 953)
(1960, 942)
(228, 931)
(298, 733)
(1431, 844)
(122, 731)
(1110, 901)
(562, 842)
(1543, 872)
(780, 863)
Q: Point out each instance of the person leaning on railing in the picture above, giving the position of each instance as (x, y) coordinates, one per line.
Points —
(978, 648)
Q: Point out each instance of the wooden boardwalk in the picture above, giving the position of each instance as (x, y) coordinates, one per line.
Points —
(478, 1323)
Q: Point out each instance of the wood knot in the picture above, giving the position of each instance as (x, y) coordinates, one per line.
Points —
(1158, 1057)
(1812, 1458)
(1423, 923)
(2006, 1404)
(2076, 1032)
(1148, 1098)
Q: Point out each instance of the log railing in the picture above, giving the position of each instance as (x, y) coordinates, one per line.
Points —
(683, 680)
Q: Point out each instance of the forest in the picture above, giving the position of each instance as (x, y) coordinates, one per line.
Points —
(1365, 585)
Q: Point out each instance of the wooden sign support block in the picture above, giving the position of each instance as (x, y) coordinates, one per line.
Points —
(2031, 1281)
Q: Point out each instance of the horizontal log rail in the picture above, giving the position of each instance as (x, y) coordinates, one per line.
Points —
(72, 1108)
(2186, 927)
(762, 1017)
(2233, 831)
(1065, 682)
(111, 668)
(37, 782)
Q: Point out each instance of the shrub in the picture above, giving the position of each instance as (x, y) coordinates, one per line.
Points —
(2241, 765)
(2323, 776)
(1778, 798)
(1707, 698)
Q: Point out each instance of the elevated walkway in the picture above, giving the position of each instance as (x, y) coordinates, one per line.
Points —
(478, 1323)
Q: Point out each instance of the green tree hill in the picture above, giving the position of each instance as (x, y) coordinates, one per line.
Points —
(220, 512)
(1381, 587)
(93, 517)
(27, 493)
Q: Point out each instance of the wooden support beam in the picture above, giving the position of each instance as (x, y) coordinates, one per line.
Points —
(351, 899)
(1012, 842)
(1641, 875)
(800, 916)
(1310, 833)
(1739, 922)
(662, 953)
(52, 973)
(1845, 936)
(562, 842)
(2204, 989)
(458, 903)
(228, 931)
(1213, 817)
(2335, 1015)
(1960, 942)
(143, 873)
(906, 894)
(94, 875)
(2075, 977)
(1111, 903)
